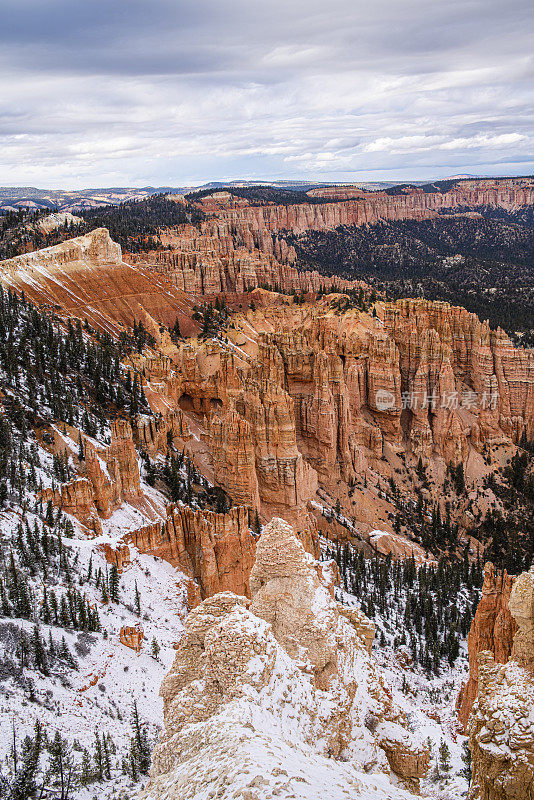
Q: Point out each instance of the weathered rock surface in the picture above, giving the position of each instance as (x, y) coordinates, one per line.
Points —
(215, 550)
(287, 592)
(155, 434)
(112, 478)
(121, 458)
(243, 696)
(522, 609)
(57, 220)
(212, 260)
(132, 637)
(313, 396)
(262, 226)
(87, 278)
(77, 498)
(501, 725)
(492, 629)
(234, 458)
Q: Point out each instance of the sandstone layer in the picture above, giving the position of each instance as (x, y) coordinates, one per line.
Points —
(86, 277)
(212, 260)
(262, 226)
(310, 396)
(215, 550)
(111, 478)
(492, 630)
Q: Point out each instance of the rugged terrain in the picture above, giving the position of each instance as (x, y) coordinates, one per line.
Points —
(13, 197)
(193, 420)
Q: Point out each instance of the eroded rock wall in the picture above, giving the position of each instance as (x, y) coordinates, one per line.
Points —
(216, 550)
(501, 725)
(111, 478)
(492, 629)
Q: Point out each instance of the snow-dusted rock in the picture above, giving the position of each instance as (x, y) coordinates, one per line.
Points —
(53, 221)
(273, 698)
(501, 725)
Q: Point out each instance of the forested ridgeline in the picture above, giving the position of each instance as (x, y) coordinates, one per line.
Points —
(51, 372)
(485, 265)
(264, 195)
(134, 225)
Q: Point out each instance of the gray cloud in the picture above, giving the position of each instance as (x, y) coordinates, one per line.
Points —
(175, 91)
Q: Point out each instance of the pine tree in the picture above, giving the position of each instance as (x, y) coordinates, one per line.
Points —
(86, 771)
(466, 758)
(49, 518)
(45, 608)
(98, 757)
(444, 755)
(114, 583)
(61, 766)
(176, 329)
(106, 758)
(81, 449)
(24, 783)
(38, 651)
(155, 648)
(139, 744)
(256, 525)
(137, 601)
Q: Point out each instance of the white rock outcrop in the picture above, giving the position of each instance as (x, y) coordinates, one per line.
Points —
(279, 697)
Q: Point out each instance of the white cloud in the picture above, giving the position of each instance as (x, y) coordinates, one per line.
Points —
(189, 92)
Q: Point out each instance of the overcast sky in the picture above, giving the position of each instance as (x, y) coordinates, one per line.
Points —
(177, 92)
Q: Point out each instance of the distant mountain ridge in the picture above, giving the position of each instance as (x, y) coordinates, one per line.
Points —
(13, 197)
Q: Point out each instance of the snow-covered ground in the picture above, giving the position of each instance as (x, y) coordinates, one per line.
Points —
(99, 695)
(428, 703)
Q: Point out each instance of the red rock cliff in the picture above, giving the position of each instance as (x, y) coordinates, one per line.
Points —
(217, 550)
(492, 629)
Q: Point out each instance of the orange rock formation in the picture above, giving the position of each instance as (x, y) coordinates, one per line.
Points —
(216, 550)
(492, 629)
(289, 396)
(112, 477)
(132, 637)
(215, 259)
(87, 278)
(262, 226)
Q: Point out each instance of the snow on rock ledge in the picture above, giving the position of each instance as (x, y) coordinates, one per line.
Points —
(95, 247)
(275, 698)
(501, 725)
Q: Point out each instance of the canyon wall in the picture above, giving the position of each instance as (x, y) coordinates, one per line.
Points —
(155, 434)
(263, 226)
(86, 277)
(445, 348)
(213, 260)
(501, 727)
(215, 550)
(492, 629)
(111, 478)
